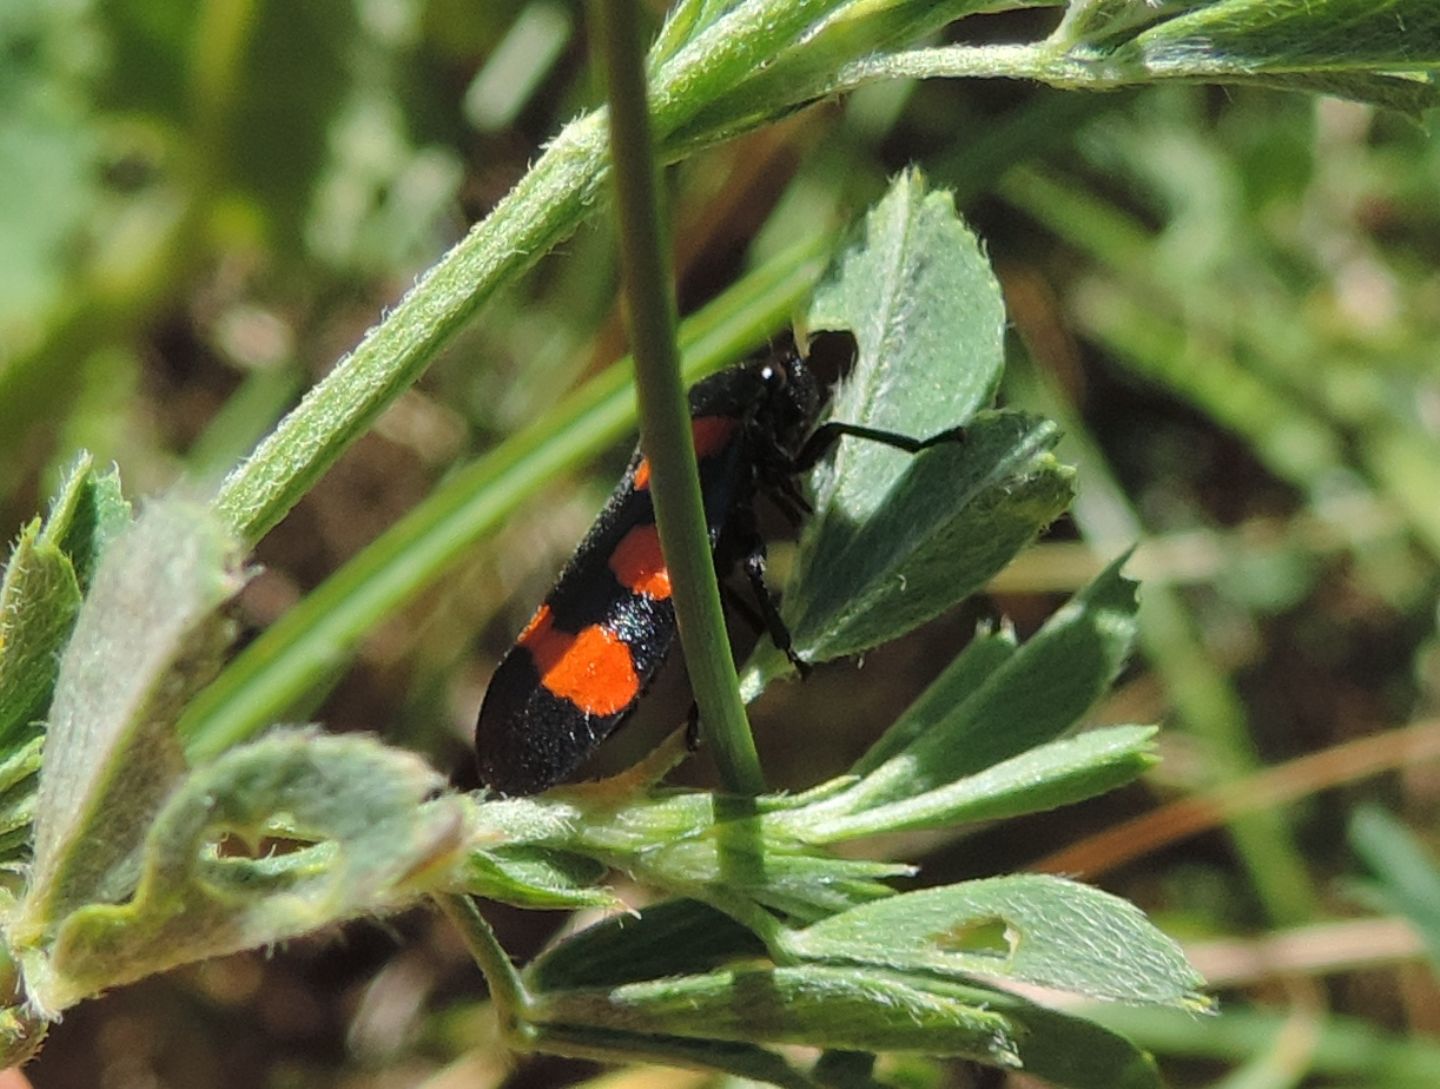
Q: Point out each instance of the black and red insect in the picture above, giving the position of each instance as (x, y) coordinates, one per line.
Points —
(587, 655)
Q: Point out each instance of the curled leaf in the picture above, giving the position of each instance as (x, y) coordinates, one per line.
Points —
(361, 838)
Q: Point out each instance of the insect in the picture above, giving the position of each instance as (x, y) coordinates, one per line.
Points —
(581, 664)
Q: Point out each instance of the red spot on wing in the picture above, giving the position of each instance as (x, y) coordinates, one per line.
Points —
(639, 565)
(711, 433)
(592, 669)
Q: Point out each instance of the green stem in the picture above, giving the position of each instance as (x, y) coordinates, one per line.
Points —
(507, 991)
(664, 414)
(1041, 62)
(726, 54)
(543, 208)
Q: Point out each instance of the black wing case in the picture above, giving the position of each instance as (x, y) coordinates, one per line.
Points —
(590, 651)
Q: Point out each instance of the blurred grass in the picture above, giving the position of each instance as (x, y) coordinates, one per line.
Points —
(1232, 299)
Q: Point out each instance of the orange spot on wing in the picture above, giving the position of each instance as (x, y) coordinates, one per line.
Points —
(639, 564)
(592, 669)
(711, 434)
(539, 620)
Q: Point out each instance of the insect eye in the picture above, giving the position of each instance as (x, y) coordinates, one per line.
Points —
(774, 376)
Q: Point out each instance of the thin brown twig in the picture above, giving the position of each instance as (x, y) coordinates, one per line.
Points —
(1323, 949)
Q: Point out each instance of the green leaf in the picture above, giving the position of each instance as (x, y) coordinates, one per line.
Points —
(49, 568)
(684, 842)
(1302, 36)
(674, 937)
(683, 22)
(737, 863)
(1382, 52)
(719, 55)
(859, 1011)
(917, 293)
(1095, 20)
(39, 598)
(1032, 696)
(88, 512)
(537, 878)
(374, 843)
(1029, 928)
(147, 636)
(1056, 774)
(799, 72)
(1073, 1052)
(1410, 94)
(811, 1005)
(897, 538)
(982, 656)
(19, 772)
(1408, 881)
(957, 513)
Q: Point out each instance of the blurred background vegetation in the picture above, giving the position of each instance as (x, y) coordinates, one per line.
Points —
(1230, 298)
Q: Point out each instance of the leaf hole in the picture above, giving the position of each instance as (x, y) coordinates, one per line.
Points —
(984, 937)
(238, 845)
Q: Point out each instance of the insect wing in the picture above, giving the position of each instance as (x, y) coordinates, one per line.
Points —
(590, 651)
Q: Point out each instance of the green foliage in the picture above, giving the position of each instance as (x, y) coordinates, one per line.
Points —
(148, 635)
(1031, 695)
(1055, 934)
(863, 1012)
(277, 129)
(1291, 36)
(377, 844)
(1374, 52)
(718, 59)
(50, 567)
(1050, 775)
(1384, 53)
(51, 140)
(1407, 880)
(305, 648)
(896, 538)
(153, 890)
(868, 577)
(859, 947)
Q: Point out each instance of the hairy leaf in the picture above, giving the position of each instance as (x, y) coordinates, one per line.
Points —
(149, 634)
(371, 842)
(1030, 928)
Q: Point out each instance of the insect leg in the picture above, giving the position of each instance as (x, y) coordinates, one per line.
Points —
(737, 602)
(692, 727)
(824, 438)
(788, 500)
(754, 564)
